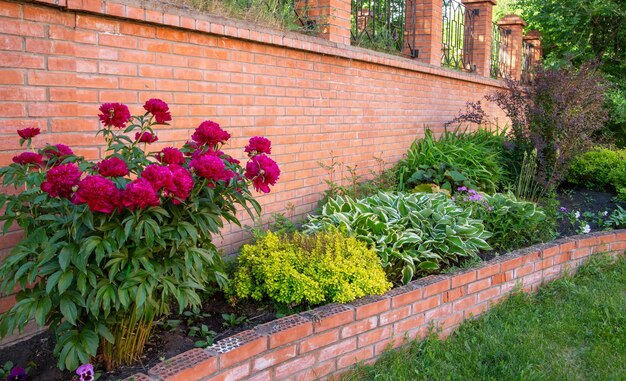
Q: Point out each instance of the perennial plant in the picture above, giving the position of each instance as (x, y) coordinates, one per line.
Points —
(109, 246)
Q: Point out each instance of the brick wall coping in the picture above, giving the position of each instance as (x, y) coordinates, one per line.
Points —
(178, 16)
(330, 339)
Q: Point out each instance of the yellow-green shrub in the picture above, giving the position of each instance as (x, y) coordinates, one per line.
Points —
(308, 270)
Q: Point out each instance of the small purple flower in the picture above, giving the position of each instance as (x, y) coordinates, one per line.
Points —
(563, 209)
(85, 372)
(471, 191)
(17, 374)
(461, 189)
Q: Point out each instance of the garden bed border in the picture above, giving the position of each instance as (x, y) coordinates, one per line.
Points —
(330, 339)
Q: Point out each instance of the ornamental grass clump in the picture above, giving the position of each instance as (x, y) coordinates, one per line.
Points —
(109, 246)
(302, 270)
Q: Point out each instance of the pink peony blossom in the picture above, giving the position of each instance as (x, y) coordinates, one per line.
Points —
(159, 109)
(28, 133)
(114, 114)
(61, 179)
(159, 177)
(112, 167)
(258, 145)
(263, 172)
(183, 184)
(171, 155)
(139, 194)
(28, 158)
(211, 167)
(210, 133)
(99, 193)
(146, 137)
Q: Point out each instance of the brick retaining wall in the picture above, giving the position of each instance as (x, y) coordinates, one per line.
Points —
(60, 59)
(329, 340)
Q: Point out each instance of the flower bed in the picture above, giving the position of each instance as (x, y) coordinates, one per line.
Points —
(329, 339)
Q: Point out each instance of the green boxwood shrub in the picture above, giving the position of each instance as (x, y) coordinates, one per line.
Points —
(600, 169)
(308, 270)
(594, 169)
(412, 233)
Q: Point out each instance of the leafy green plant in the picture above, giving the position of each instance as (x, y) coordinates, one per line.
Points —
(443, 175)
(233, 320)
(308, 270)
(110, 246)
(412, 233)
(477, 156)
(207, 336)
(617, 219)
(513, 223)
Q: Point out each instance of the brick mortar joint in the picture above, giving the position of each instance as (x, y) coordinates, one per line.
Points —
(288, 40)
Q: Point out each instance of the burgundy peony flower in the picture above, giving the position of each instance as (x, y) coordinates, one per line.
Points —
(112, 167)
(85, 372)
(210, 133)
(28, 158)
(159, 177)
(232, 160)
(17, 374)
(61, 179)
(258, 145)
(99, 193)
(183, 183)
(263, 172)
(146, 137)
(139, 194)
(28, 133)
(114, 114)
(159, 109)
(211, 167)
(171, 155)
(57, 151)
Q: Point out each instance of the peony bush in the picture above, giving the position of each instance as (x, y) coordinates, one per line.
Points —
(110, 246)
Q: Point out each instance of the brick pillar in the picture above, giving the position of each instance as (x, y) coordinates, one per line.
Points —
(533, 38)
(515, 25)
(332, 17)
(423, 30)
(483, 11)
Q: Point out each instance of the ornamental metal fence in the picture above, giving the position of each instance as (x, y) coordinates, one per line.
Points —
(457, 36)
(501, 52)
(528, 62)
(381, 24)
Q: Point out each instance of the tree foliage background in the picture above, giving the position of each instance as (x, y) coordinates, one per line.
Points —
(577, 31)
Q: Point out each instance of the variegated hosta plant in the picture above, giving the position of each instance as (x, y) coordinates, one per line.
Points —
(412, 233)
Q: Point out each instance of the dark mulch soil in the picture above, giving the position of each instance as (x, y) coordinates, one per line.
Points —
(584, 200)
(167, 342)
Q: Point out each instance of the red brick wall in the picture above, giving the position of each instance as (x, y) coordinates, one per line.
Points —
(311, 97)
(328, 340)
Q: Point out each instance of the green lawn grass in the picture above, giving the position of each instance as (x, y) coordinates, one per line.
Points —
(573, 329)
